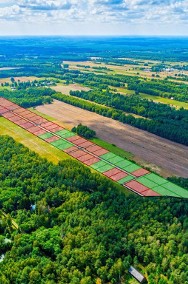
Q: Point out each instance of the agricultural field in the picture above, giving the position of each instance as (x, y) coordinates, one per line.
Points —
(113, 148)
(118, 169)
(165, 157)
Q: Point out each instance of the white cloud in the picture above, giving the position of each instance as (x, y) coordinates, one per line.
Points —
(10, 12)
(96, 10)
(45, 4)
(91, 12)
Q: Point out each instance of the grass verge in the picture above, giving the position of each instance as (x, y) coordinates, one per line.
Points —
(32, 142)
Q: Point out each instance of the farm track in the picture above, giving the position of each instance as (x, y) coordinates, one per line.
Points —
(170, 157)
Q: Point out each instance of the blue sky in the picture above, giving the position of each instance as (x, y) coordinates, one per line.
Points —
(94, 17)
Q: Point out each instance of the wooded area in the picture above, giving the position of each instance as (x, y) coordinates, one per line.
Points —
(74, 226)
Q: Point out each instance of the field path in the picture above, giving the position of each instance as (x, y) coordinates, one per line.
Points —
(170, 157)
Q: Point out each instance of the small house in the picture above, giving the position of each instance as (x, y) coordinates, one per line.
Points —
(137, 275)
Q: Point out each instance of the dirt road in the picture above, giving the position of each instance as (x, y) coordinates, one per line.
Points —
(161, 155)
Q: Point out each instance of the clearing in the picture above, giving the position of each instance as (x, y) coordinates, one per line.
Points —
(160, 155)
(65, 89)
(172, 103)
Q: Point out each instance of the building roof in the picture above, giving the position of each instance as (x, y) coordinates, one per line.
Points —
(136, 274)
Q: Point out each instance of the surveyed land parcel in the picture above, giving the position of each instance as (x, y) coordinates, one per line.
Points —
(120, 170)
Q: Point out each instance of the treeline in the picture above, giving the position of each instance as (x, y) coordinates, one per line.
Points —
(162, 88)
(170, 123)
(95, 80)
(30, 97)
(178, 77)
(75, 227)
(134, 104)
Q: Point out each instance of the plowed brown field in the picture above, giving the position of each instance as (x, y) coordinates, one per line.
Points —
(164, 156)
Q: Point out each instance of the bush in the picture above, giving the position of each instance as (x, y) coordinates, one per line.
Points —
(84, 131)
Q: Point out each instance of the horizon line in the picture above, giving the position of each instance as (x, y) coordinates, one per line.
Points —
(90, 35)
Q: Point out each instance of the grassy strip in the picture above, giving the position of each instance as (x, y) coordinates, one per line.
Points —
(166, 101)
(32, 142)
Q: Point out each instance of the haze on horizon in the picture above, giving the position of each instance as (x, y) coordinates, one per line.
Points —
(94, 17)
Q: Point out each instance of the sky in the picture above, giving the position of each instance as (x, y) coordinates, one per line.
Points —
(94, 17)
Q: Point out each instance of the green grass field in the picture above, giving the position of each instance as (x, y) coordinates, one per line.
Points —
(166, 101)
(29, 140)
(122, 90)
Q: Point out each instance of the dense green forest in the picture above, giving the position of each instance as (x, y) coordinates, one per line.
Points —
(64, 224)
(25, 49)
(30, 97)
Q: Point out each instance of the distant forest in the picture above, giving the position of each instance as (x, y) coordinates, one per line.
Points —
(21, 49)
